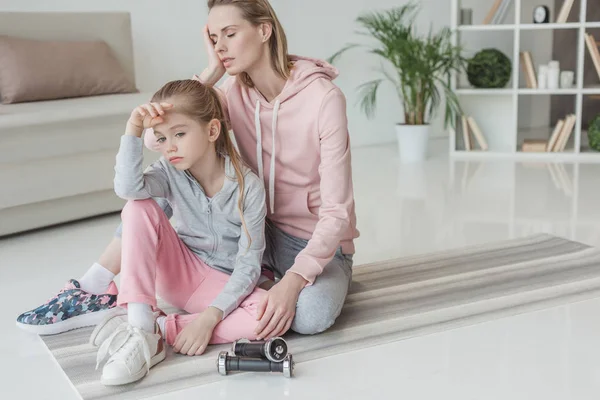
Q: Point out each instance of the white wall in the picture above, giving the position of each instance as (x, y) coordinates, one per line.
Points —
(168, 45)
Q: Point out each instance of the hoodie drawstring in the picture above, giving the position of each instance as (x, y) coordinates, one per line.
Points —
(258, 140)
(259, 158)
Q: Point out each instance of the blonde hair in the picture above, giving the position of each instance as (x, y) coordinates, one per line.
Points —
(260, 12)
(201, 103)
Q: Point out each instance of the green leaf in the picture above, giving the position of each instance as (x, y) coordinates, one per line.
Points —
(332, 59)
(422, 64)
(368, 96)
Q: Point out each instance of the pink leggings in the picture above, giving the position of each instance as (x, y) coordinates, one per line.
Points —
(156, 261)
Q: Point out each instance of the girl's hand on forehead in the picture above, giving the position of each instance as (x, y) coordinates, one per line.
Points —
(149, 115)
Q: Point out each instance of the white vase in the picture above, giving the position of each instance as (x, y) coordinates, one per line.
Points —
(412, 142)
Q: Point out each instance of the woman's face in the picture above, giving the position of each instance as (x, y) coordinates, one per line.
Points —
(239, 44)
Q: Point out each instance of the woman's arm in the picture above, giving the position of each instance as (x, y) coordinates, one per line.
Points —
(337, 193)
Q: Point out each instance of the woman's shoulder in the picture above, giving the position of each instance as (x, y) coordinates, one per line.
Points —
(314, 77)
(228, 83)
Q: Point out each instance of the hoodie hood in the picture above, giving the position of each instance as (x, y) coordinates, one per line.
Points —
(305, 70)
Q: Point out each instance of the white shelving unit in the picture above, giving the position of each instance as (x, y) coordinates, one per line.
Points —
(498, 109)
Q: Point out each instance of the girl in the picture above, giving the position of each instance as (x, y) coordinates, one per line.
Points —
(209, 264)
(289, 121)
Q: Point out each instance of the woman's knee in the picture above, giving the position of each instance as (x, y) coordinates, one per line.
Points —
(315, 315)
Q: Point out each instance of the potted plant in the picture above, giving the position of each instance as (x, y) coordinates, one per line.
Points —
(418, 66)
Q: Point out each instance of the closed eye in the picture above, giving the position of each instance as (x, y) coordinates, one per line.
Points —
(231, 35)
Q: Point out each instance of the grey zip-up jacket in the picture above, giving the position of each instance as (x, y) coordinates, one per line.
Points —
(211, 228)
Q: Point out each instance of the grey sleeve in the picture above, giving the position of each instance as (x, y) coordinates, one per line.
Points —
(247, 267)
(131, 182)
(162, 202)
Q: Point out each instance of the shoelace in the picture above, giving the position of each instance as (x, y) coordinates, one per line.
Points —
(120, 336)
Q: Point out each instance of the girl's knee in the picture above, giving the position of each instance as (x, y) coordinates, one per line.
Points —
(140, 207)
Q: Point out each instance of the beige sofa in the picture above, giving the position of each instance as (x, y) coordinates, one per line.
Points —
(57, 157)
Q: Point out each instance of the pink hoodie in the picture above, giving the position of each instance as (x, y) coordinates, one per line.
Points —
(309, 179)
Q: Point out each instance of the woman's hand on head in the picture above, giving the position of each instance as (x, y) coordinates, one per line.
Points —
(215, 70)
(146, 116)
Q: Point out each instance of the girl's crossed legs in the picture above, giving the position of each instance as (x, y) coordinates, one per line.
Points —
(156, 261)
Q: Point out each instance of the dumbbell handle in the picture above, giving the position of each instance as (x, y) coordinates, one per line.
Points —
(246, 364)
(274, 349)
(226, 364)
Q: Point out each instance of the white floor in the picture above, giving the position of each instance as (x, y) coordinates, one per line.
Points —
(402, 210)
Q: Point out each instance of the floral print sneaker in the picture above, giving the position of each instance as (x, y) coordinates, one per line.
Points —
(71, 308)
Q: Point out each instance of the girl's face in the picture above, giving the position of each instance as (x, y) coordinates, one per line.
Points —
(183, 141)
(238, 43)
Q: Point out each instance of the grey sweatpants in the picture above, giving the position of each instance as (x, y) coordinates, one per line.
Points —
(321, 303)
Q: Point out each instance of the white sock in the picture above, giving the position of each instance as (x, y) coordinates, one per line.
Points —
(140, 315)
(161, 323)
(96, 279)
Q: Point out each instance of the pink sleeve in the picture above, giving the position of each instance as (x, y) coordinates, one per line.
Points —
(337, 193)
(149, 139)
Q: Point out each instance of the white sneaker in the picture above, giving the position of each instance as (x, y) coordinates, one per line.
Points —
(110, 323)
(132, 351)
(108, 326)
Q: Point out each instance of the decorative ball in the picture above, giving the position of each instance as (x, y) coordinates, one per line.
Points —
(594, 133)
(489, 68)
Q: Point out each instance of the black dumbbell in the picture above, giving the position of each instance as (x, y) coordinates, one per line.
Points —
(227, 363)
(274, 349)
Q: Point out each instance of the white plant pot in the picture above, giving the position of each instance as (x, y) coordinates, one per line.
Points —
(412, 142)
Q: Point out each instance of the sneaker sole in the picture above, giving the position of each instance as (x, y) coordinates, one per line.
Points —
(134, 378)
(80, 321)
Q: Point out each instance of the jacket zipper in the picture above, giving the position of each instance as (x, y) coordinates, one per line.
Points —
(212, 230)
(210, 223)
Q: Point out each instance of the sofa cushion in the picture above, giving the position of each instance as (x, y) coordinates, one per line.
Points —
(34, 70)
(45, 112)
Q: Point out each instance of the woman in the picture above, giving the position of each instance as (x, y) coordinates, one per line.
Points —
(290, 125)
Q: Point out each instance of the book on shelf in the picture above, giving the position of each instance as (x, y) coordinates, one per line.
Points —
(528, 69)
(477, 133)
(500, 16)
(562, 133)
(466, 134)
(592, 47)
(558, 139)
(534, 145)
(565, 133)
(497, 12)
(490, 15)
(565, 10)
(555, 134)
